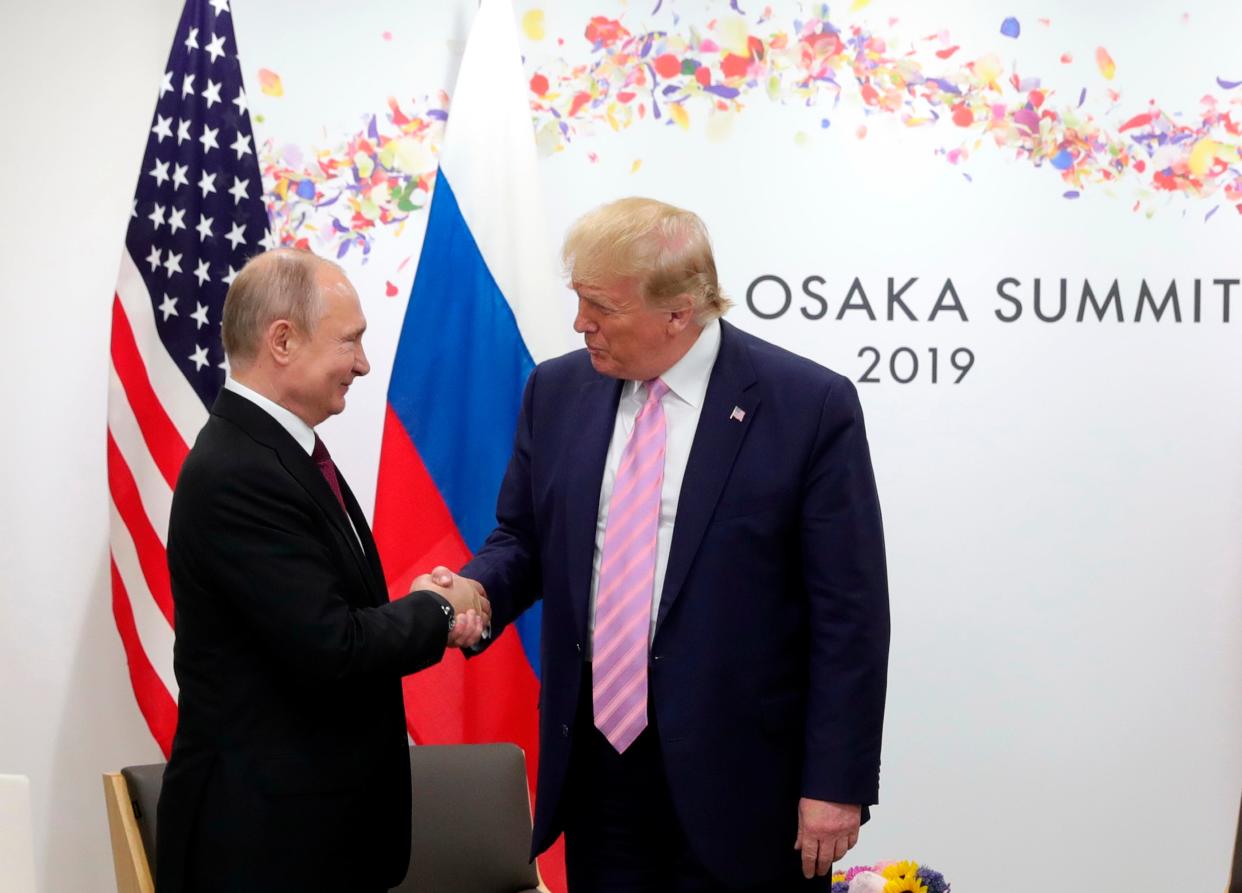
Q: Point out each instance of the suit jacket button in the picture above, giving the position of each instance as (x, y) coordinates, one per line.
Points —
(564, 731)
(578, 645)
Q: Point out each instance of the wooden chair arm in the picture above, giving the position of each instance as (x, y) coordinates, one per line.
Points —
(129, 857)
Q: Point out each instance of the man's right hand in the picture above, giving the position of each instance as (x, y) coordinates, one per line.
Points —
(469, 589)
(467, 631)
(462, 593)
(469, 603)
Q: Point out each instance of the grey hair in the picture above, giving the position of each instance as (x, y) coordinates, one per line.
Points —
(277, 284)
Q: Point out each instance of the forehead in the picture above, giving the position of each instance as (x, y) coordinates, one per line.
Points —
(339, 295)
(330, 279)
(622, 293)
(334, 286)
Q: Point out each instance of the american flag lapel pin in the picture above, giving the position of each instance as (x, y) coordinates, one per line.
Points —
(738, 414)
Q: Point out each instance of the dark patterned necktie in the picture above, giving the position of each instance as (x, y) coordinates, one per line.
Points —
(328, 470)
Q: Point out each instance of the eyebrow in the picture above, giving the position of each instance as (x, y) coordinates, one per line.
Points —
(598, 301)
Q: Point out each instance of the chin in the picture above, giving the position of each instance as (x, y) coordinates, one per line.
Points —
(604, 366)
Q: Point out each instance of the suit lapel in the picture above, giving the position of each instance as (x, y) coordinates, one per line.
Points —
(266, 430)
(307, 474)
(370, 551)
(594, 417)
(716, 441)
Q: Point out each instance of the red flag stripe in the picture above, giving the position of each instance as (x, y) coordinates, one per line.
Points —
(151, 555)
(153, 490)
(157, 706)
(442, 702)
(167, 447)
(154, 631)
(173, 390)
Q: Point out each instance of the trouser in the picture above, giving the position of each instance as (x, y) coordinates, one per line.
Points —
(622, 834)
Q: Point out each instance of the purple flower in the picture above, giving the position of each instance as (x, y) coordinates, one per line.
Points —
(933, 880)
(841, 887)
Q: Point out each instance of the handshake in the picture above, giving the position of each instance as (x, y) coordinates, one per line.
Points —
(472, 610)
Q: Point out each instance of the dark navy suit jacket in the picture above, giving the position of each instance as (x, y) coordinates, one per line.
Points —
(290, 767)
(768, 667)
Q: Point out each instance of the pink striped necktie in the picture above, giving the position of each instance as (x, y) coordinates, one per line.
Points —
(627, 579)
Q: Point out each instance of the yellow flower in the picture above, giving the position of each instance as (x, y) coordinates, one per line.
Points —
(838, 877)
(909, 884)
(900, 870)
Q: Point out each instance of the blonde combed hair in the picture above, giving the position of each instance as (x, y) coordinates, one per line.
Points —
(277, 284)
(664, 248)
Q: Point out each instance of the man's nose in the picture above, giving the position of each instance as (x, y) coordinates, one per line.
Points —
(582, 323)
(361, 364)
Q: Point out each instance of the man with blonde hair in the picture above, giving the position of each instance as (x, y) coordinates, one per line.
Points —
(697, 509)
(290, 767)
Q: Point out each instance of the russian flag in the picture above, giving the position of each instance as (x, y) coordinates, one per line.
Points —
(483, 310)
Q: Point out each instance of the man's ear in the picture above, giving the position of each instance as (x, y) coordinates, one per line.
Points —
(682, 317)
(281, 341)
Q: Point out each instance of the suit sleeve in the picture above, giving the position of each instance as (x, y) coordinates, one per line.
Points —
(847, 585)
(507, 564)
(253, 539)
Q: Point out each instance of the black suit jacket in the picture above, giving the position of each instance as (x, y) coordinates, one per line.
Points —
(290, 765)
(768, 667)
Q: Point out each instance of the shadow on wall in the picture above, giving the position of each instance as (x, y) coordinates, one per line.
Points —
(100, 729)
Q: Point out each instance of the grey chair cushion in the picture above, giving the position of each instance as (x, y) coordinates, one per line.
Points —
(144, 792)
(471, 831)
(471, 826)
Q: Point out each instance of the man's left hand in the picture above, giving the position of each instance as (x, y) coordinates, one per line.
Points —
(826, 832)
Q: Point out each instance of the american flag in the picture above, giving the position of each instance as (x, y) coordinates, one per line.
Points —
(197, 216)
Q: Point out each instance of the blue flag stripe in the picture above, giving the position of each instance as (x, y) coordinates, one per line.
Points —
(461, 414)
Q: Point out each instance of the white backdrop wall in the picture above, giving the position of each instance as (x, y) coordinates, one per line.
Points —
(77, 86)
(1063, 525)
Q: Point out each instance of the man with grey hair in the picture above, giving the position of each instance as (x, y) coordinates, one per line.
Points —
(290, 768)
(697, 510)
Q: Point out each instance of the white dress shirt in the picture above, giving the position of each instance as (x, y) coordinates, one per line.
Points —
(687, 386)
(303, 433)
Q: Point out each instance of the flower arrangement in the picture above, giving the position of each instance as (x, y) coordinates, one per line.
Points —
(890, 877)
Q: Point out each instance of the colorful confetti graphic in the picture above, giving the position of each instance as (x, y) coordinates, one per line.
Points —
(269, 83)
(335, 199)
(675, 77)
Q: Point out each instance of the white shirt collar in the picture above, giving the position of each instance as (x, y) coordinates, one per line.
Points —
(689, 376)
(298, 429)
